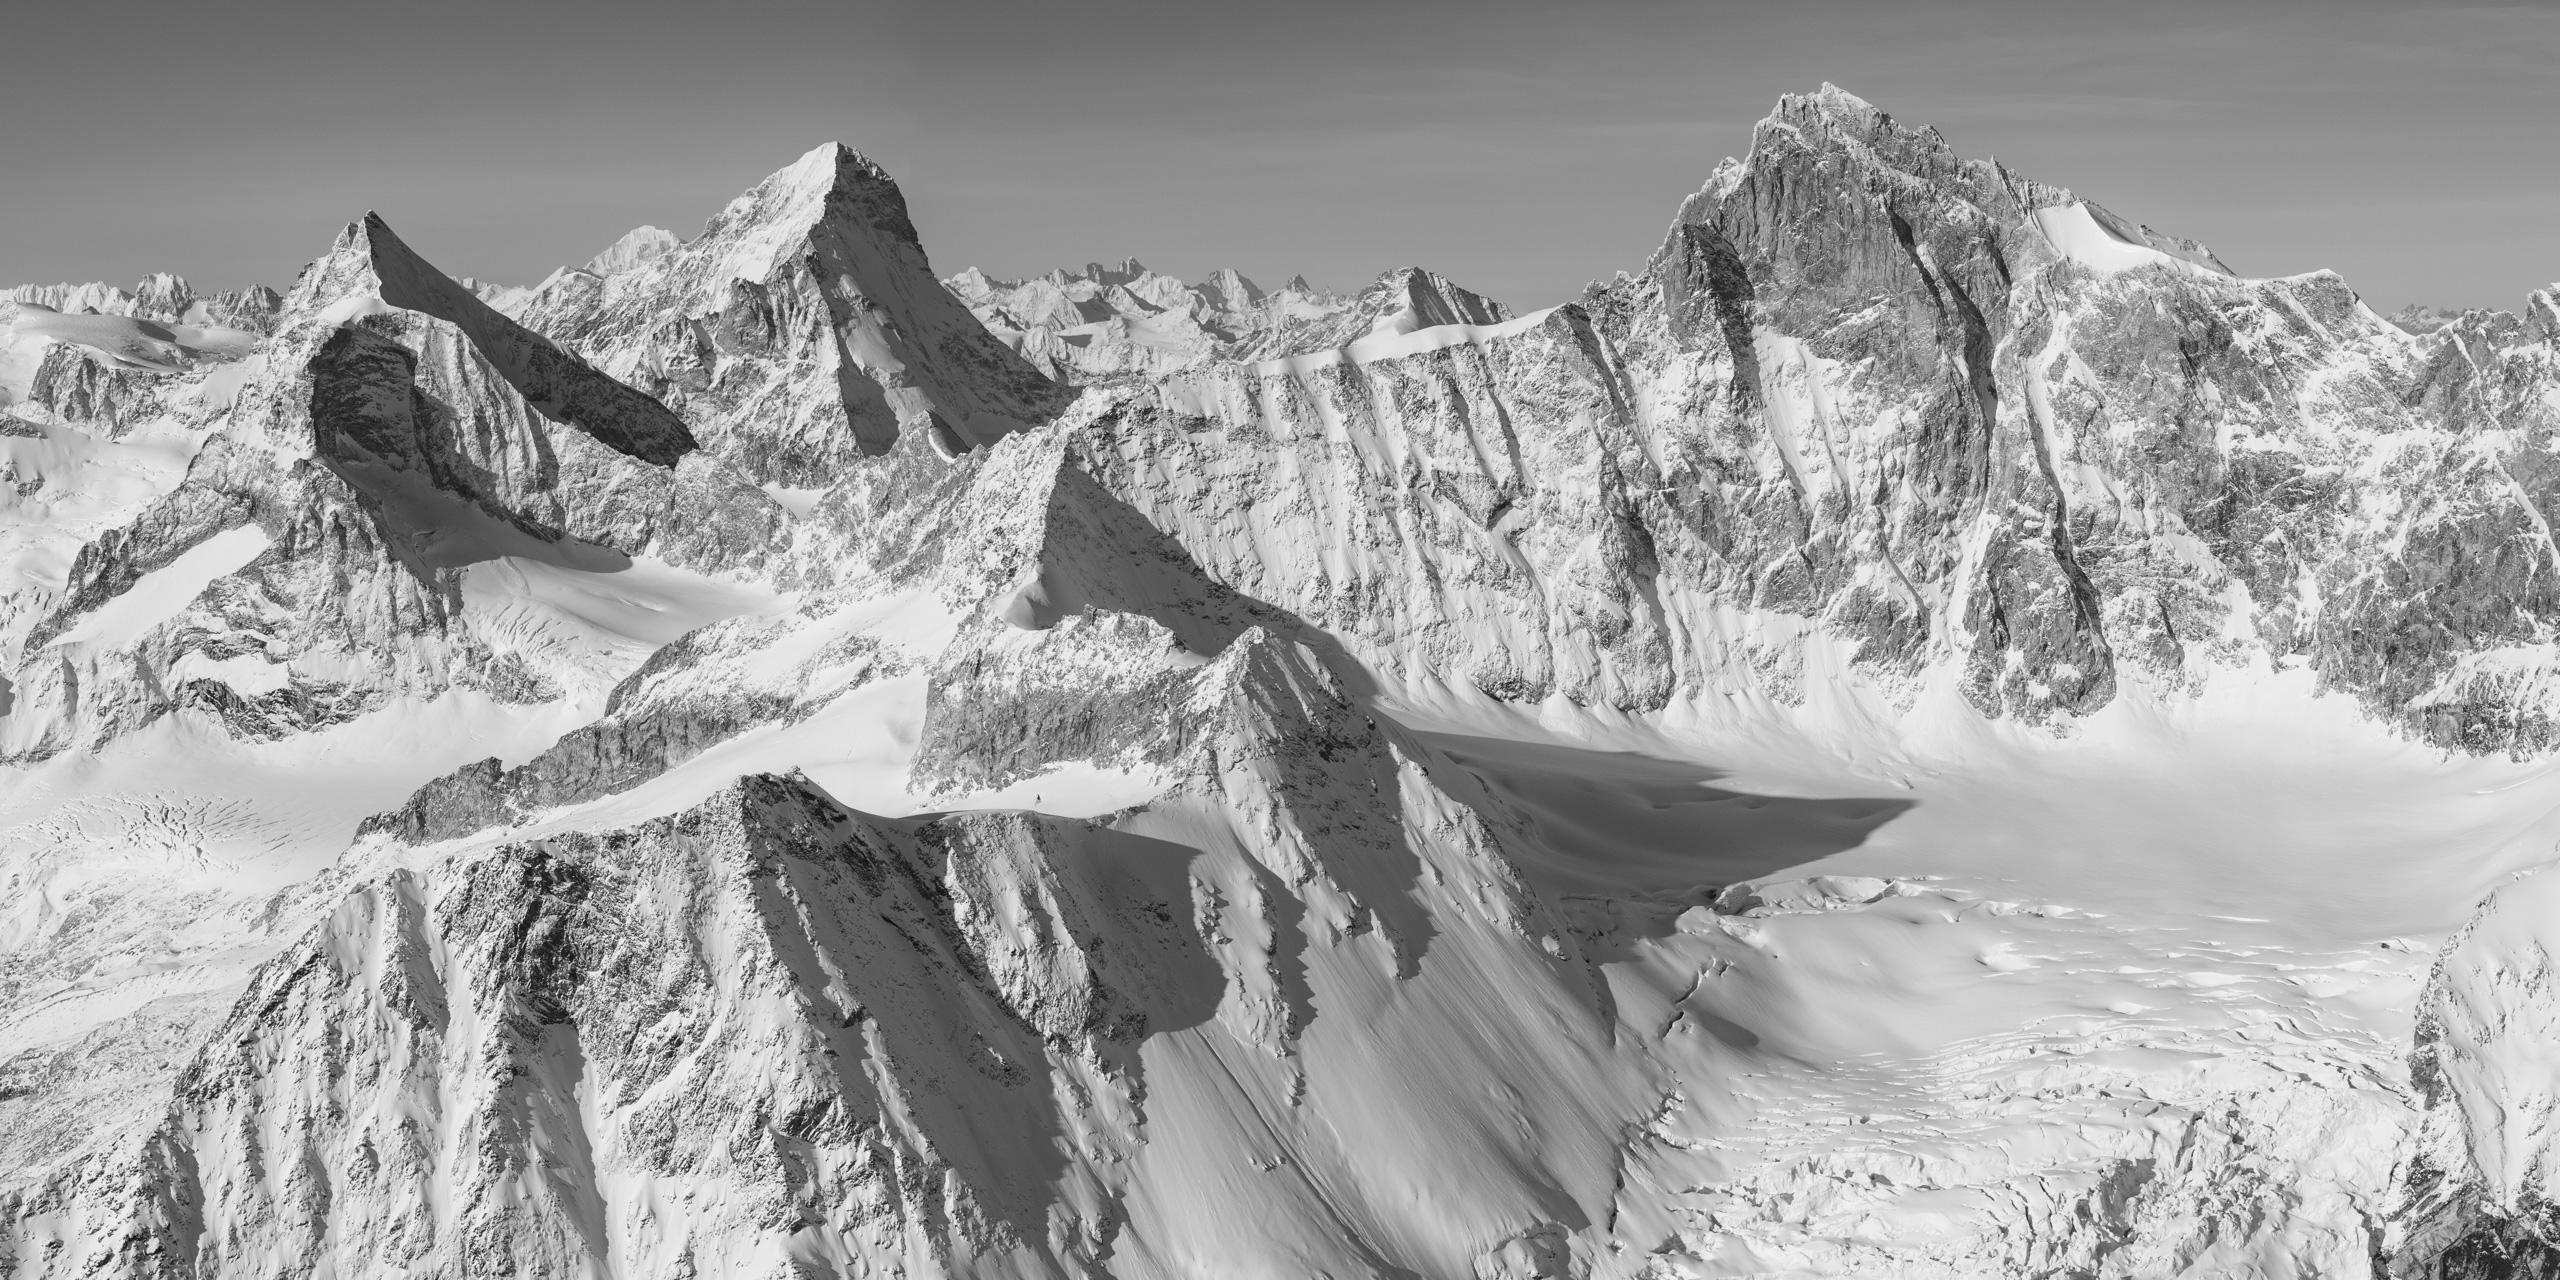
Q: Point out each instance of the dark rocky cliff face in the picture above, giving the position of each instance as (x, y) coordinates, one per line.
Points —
(2061, 475)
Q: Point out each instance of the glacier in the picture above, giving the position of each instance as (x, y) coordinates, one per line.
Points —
(1928, 729)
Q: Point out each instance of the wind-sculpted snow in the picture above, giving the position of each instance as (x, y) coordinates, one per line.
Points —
(1932, 730)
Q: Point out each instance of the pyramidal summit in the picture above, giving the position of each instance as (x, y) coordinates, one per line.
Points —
(1924, 729)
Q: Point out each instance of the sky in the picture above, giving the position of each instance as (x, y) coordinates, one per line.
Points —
(1522, 149)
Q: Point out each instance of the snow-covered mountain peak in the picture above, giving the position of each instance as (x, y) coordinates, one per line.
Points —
(370, 268)
(834, 187)
(1425, 299)
(369, 260)
(1870, 141)
(1834, 111)
(1104, 322)
(1888, 741)
(819, 267)
(1836, 104)
(1401, 301)
(824, 169)
(637, 246)
(1127, 270)
(1228, 288)
(163, 297)
(96, 297)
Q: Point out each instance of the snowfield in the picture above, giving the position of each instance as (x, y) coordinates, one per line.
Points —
(1929, 731)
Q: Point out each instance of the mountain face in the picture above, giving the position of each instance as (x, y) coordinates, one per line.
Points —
(1127, 319)
(802, 329)
(1930, 730)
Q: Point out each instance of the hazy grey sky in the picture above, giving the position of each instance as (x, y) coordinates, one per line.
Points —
(1522, 149)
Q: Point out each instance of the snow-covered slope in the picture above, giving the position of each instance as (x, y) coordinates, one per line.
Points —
(1930, 731)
